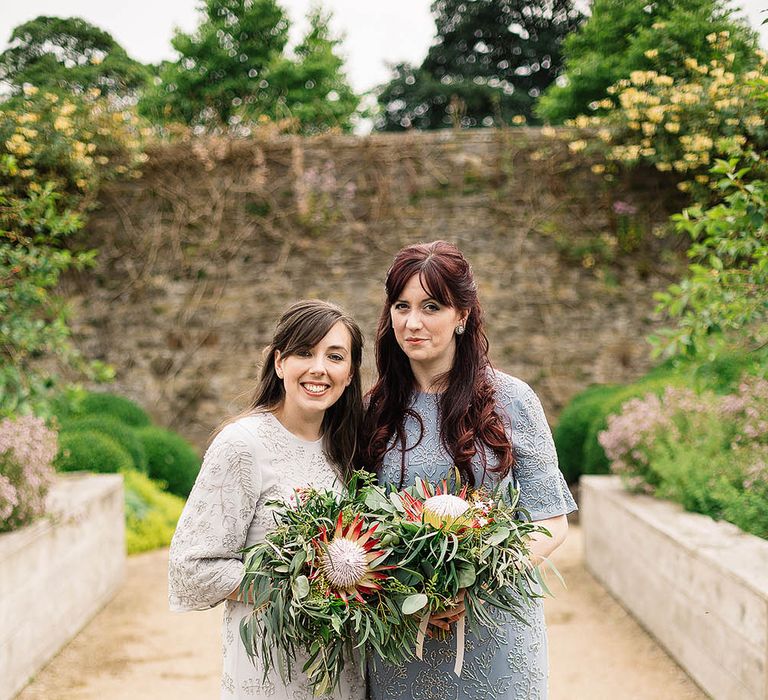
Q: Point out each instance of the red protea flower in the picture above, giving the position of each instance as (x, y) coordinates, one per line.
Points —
(345, 561)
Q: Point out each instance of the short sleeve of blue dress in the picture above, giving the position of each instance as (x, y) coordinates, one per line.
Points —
(508, 662)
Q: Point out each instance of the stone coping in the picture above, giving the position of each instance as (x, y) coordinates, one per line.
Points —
(68, 498)
(720, 544)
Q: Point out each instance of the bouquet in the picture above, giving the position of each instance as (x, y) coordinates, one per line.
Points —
(363, 572)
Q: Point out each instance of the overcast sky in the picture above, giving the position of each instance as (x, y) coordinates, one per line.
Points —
(375, 33)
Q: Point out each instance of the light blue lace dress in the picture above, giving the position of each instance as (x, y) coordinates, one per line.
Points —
(508, 662)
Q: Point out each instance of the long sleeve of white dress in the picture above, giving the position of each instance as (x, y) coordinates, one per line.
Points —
(204, 564)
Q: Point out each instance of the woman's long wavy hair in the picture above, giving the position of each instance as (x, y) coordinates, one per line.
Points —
(302, 326)
(468, 418)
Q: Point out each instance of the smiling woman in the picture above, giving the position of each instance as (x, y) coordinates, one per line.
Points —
(299, 431)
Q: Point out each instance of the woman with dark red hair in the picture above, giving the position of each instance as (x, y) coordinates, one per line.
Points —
(438, 403)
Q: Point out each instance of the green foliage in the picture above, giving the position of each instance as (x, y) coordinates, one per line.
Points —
(726, 289)
(120, 432)
(586, 416)
(312, 88)
(623, 36)
(713, 113)
(572, 427)
(150, 513)
(234, 70)
(489, 62)
(576, 434)
(684, 124)
(171, 459)
(54, 152)
(70, 55)
(708, 452)
(125, 410)
(723, 372)
(91, 451)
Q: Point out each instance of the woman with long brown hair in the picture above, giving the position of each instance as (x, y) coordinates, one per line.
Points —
(301, 429)
(438, 404)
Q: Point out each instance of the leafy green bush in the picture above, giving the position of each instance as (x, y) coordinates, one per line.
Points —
(587, 414)
(54, 153)
(124, 435)
(171, 459)
(571, 430)
(626, 36)
(118, 406)
(722, 373)
(150, 513)
(91, 451)
(709, 452)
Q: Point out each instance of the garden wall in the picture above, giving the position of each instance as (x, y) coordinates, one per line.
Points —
(200, 254)
(700, 587)
(58, 572)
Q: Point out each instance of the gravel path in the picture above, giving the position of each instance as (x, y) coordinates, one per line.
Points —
(136, 649)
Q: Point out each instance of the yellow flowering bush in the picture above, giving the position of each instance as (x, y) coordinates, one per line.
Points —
(54, 151)
(684, 125)
(64, 141)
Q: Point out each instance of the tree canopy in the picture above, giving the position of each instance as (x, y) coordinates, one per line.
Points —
(236, 66)
(623, 36)
(68, 54)
(490, 61)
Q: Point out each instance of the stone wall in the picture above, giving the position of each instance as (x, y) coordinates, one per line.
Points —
(58, 572)
(700, 587)
(201, 253)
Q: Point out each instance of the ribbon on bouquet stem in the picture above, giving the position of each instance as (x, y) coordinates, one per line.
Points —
(460, 626)
(422, 633)
(460, 635)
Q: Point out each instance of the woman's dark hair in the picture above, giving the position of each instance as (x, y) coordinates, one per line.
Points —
(468, 418)
(302, 326)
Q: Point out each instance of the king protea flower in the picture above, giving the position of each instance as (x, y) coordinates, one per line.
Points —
(345, 561)
(439, 510)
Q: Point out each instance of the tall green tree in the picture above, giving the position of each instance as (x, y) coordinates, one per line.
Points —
(68, 54)
(236, 65)
(311, 86)
(490, 60)
(622, 36)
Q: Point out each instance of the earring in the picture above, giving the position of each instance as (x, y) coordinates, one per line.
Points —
(460, 329)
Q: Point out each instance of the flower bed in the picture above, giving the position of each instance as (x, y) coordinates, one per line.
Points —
(58, 572)
(700, 587)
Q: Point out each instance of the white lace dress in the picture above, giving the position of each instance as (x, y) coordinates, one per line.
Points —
(250, 461)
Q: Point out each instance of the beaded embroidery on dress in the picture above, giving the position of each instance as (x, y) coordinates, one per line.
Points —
(509, 662)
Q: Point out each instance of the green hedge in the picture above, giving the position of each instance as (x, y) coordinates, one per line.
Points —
(92, 451)
(171, 459)
(150, 513)
(570, 433)
(124, 435)
(586, 416)
(121, 408)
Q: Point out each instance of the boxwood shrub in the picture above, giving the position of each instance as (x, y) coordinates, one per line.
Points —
(92, 451)
(171, 459)
(121, 408)
(124, 435)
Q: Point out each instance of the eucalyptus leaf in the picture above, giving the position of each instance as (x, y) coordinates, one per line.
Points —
(465, 573)
(414, 603)
(499, 536)
(301, 587)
